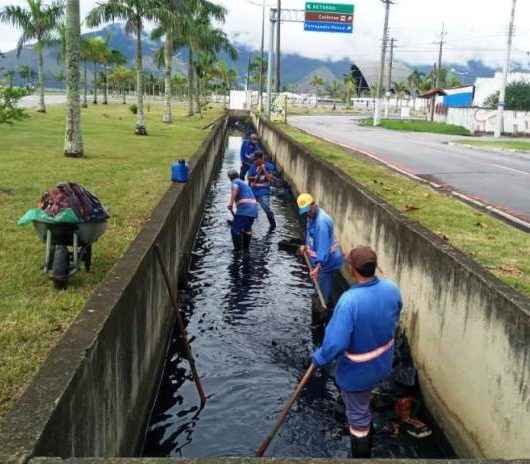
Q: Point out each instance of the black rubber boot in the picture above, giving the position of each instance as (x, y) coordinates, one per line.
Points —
(237, 240)
(272, 221)
(361, 448)
(246, 240)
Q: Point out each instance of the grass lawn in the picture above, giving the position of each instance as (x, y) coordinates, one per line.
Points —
(502, 249)
(418, 125)
(518, 145)
(128, 173)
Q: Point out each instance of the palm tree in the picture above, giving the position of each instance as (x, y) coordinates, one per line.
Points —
(37, 22)
(133, 12)
(196, 17)
(401, 90)
(169, 14)
(350, 84)
(179, 84)
(121, 76)
(209, 41)
(73, 139)
(26, 73)
(317, 82)
(96, 49)
(10, 76)
(227, 76)
(115, 58)
(85, 53)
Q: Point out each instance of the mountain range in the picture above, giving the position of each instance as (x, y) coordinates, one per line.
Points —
(297, 70)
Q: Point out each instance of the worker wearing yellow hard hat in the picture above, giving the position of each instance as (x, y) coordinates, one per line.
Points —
(321, 245)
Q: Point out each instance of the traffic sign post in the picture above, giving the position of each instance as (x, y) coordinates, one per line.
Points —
(328, 17)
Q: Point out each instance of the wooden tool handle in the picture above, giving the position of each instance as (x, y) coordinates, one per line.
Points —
(181, 326)
(283, 415)
(317, 286)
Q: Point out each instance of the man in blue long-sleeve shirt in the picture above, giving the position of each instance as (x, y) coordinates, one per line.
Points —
(360, 335)
(320, 244)
(248, 148)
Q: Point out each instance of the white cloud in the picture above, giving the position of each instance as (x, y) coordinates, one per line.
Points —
(476, 29)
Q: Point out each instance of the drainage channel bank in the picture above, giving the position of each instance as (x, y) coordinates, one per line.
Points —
(469, 332)
(250, 318)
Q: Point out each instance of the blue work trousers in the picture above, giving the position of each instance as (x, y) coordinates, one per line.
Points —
(325, 280)
(244, 170)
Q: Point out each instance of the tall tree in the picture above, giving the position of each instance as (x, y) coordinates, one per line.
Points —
(85, 58)
(317, 83)
(227, 77)
(10, 76)
(26, 73)
(170, 15)
(209, 41)
(196, 18)
(121, 77)
(95, 49)
(73, 139)
(37, 22)
(134, 13)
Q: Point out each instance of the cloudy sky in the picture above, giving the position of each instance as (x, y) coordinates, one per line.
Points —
(475, 29)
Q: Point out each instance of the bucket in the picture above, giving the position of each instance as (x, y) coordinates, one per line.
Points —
(179, 171)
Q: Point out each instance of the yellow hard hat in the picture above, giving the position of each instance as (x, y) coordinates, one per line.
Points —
(304, 201)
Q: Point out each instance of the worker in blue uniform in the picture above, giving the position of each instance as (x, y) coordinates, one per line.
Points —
(260, 178)
(248, 148)
(360, 335)
(242, 197)
(321, 245)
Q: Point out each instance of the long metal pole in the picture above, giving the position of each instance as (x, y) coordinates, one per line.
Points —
(181, 326)
(499, 127)
(278, 45)
(377, 109)
(262, 55)
(269, 70)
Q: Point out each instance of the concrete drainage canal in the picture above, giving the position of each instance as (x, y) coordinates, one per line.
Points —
(250, 321)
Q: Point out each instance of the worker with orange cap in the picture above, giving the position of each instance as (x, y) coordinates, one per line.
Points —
(320, 244)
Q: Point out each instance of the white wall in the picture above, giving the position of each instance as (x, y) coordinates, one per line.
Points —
(486, 86)
(478, 120)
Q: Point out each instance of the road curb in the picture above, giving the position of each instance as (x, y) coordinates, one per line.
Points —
(498, 213)
(490, 149)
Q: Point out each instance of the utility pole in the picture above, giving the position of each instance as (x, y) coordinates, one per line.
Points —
(381, 79)
(262, 55)
(389, 81)
(271, 57)
(438, 69)
(248, 72)
(390, 64)
(278, 42)
(499, 127)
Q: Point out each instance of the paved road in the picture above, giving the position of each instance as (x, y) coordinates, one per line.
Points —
(32, 101)
(499, 179)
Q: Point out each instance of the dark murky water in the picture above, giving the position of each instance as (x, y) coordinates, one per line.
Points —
(250, 319)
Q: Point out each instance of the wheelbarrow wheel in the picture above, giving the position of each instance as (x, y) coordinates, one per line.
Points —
(60, 268)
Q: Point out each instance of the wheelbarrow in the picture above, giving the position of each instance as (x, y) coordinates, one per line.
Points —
(67, 247)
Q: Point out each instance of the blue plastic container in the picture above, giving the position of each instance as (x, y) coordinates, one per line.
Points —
(180, 171)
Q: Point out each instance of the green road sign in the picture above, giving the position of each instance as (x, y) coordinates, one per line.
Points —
(329, 8)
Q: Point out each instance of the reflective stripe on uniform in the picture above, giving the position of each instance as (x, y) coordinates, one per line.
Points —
(247, 200)
(371, 355)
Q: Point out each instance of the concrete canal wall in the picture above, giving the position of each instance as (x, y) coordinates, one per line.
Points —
(93, 394)
(469, 332)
